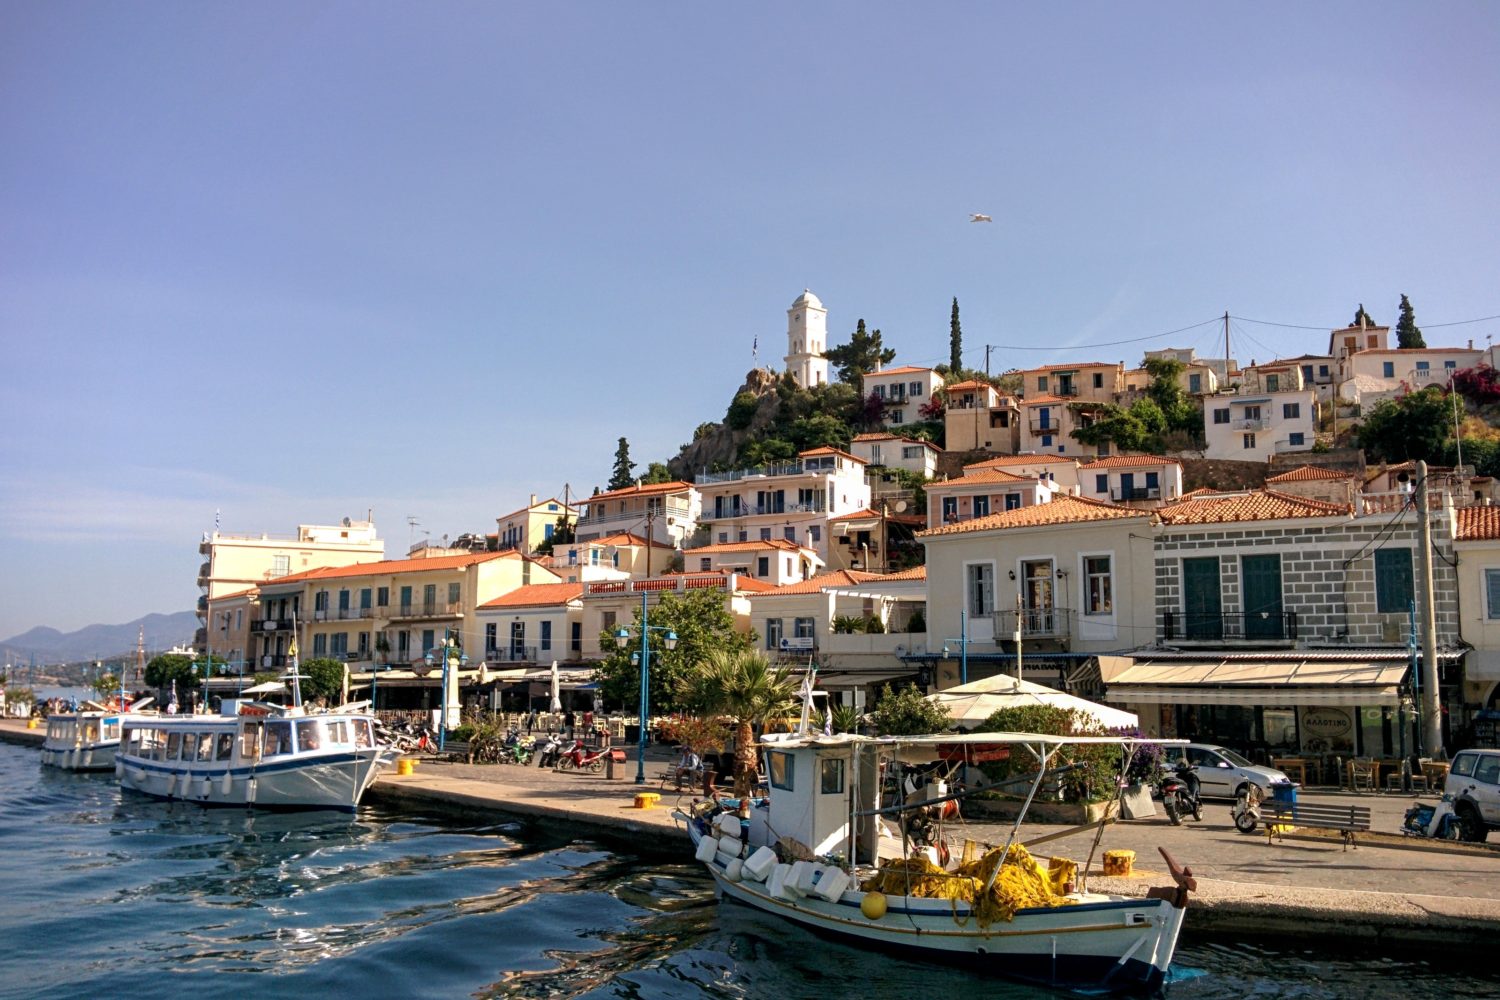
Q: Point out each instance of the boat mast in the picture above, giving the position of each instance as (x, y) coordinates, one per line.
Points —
(292, 663)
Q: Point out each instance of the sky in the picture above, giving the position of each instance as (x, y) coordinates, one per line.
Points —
(279, 263)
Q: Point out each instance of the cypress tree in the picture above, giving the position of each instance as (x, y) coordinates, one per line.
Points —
(955, 343)
(623, 466)
(1408, 334)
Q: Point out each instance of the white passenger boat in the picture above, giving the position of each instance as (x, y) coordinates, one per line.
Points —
(84, 740)
(803, 853)
(254, 755)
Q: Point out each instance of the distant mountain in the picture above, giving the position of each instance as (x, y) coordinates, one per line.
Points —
(49, 645)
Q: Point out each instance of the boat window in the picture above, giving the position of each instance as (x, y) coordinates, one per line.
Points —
(339, 732)
(831, 770)
(1463, 765)
(250, 741)
(206, 746)
(780, 767)
(189, 746)
(156, 744)
(174, 744)
(310, 735)
(278, 738)
(90, 732)
(225, 749)
(111, 730)
(361, 733)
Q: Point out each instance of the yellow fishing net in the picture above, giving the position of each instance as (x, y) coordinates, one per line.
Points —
(1021, 883)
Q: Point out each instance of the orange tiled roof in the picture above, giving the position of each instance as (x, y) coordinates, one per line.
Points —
(870, 512)
(1477, 524)
(1413, 351)
(1305, 473)
(537, 595)
(1129, 461)
(622, 538)
(877, 437)
(915, 573)
(1254, 505)
(972, 384)
(838, 578)
(749, 546)
(676, 486)
(388, 566)
(1047, 399)
(1024, 459)
(230, 597)
(825, 450)
(1065, 509)
(1068, 368)
(901, 370)
(979, 477)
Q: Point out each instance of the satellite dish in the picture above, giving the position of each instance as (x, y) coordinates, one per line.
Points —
(900, 506)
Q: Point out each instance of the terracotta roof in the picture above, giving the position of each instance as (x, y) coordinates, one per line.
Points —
(1414, 351)
(1068, 368)
(1304, 473)
(389, 566)
(877, 437)
(1047, 399)
(915, 573)
(537, 595)
(1023, 459)
(1477, 524)
(978, 477)
(901, 370)
(1255, 505)
(749, 546)
(838, 578)
(1130, 461)
(676, 486)
(825, 450)
(1065, 509)
(230, 597)
(889, 516)
(622, 538)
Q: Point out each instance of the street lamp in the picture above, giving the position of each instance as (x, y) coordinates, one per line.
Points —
(452, 653)
(622, 639)
(963, 645)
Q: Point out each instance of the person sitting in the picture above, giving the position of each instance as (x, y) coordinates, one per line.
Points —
(688, 765)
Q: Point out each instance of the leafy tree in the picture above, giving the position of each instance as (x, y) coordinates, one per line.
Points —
(819, 430)
(1096, 767)
(742, 411)
(657, 472)
(1479, 385)
(702, 624)
(905, 712)
(623, 465)
(766, 451)
(863, 354)
(1415, 426)
(1482, 453)
(165, 668)
(1360, 314)
(955, 342)
(1407, 332)
(322, 677)
(743, 685)
(1164, 410)
(106, 685)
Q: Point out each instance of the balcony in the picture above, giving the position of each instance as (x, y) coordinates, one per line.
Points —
(1121, 495)
(761, 471)
(1249, 424)
(429, 609)
(270, 625)
(1262, 626)
(1037, 427)
(355, 656)
(352, 614)
(511, 654)
(1036, 623)
(757, 510)
(272, 660)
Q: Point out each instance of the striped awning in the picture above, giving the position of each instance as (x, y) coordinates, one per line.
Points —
(1308, 681)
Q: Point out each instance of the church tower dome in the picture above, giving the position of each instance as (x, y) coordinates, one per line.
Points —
(806, 339)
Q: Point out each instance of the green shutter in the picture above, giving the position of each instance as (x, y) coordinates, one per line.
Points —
(1393, 581)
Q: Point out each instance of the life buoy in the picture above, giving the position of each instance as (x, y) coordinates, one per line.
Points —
(942, 852)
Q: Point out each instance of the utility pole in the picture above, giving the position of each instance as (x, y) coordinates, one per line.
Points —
(986, 359)
(1020, 611)
(1432, 720)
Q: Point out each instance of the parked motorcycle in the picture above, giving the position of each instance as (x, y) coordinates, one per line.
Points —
(1246, 809)
(578, 757)
(548, 749)
(1439, 821)
(1179, 794)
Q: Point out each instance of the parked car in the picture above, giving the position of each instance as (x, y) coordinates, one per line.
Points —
(1474, 783)
(1222, 772)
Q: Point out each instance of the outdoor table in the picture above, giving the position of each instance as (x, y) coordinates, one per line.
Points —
(1292, 766)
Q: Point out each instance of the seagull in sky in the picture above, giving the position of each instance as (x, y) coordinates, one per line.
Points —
(976, 217)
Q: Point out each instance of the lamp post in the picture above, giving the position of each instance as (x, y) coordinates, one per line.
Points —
(452, 653)
(622, 639)
(963, 645)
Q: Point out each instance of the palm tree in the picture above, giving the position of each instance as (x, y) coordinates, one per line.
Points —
(743, 685)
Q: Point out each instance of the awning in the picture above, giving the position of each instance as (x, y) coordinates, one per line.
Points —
(1308, 681)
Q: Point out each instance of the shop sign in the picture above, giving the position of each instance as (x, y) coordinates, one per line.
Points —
(1327, 729)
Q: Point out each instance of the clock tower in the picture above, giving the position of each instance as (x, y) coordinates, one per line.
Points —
(806, 338)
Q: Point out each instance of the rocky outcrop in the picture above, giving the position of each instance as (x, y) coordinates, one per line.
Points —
(718, 446)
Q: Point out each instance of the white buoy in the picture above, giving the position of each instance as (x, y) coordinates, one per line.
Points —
(171, 784)
(224, 784)
(250, 791)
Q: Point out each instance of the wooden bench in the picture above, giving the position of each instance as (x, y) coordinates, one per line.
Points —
(1347, 820)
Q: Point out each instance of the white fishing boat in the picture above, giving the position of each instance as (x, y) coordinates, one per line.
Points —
(804, 852)
(253, 754)
(85, 740)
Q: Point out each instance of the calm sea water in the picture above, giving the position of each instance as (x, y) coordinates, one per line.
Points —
(104, 895)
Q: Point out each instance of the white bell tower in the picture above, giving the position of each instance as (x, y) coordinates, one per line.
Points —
(806, 338)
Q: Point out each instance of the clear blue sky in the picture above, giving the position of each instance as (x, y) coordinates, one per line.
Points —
(297, 260)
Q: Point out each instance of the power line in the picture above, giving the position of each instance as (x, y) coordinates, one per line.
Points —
(1107, 343)
(1325, 327)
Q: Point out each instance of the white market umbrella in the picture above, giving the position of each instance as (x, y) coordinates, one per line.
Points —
(269, 687)
(556, 690)
(970, 704)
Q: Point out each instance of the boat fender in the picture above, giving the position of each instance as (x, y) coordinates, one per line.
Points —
(873, 905)
(250, 791)
(707, 848)
(205, 785)
(171, 785)
(224, 784)
(759, 864)
(735, 870)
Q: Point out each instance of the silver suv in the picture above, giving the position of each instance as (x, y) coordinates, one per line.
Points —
(1474, 783)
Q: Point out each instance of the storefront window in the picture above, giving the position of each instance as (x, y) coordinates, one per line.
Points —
(1280, 727)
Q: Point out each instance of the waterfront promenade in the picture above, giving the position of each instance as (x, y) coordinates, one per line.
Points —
(1387, 892)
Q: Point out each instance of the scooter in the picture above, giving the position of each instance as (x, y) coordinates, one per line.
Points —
(1179, 794)
(1246, 809)
(578, 757)
(548, 750)
(1439, 821)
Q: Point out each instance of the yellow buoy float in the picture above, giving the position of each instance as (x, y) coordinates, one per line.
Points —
(873, 905)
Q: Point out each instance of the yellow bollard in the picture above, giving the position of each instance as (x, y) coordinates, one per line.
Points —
(646, 800)
(405, 765)
(31, 723)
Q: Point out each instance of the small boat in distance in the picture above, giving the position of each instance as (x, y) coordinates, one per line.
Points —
(814, 852)
(85, 740)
